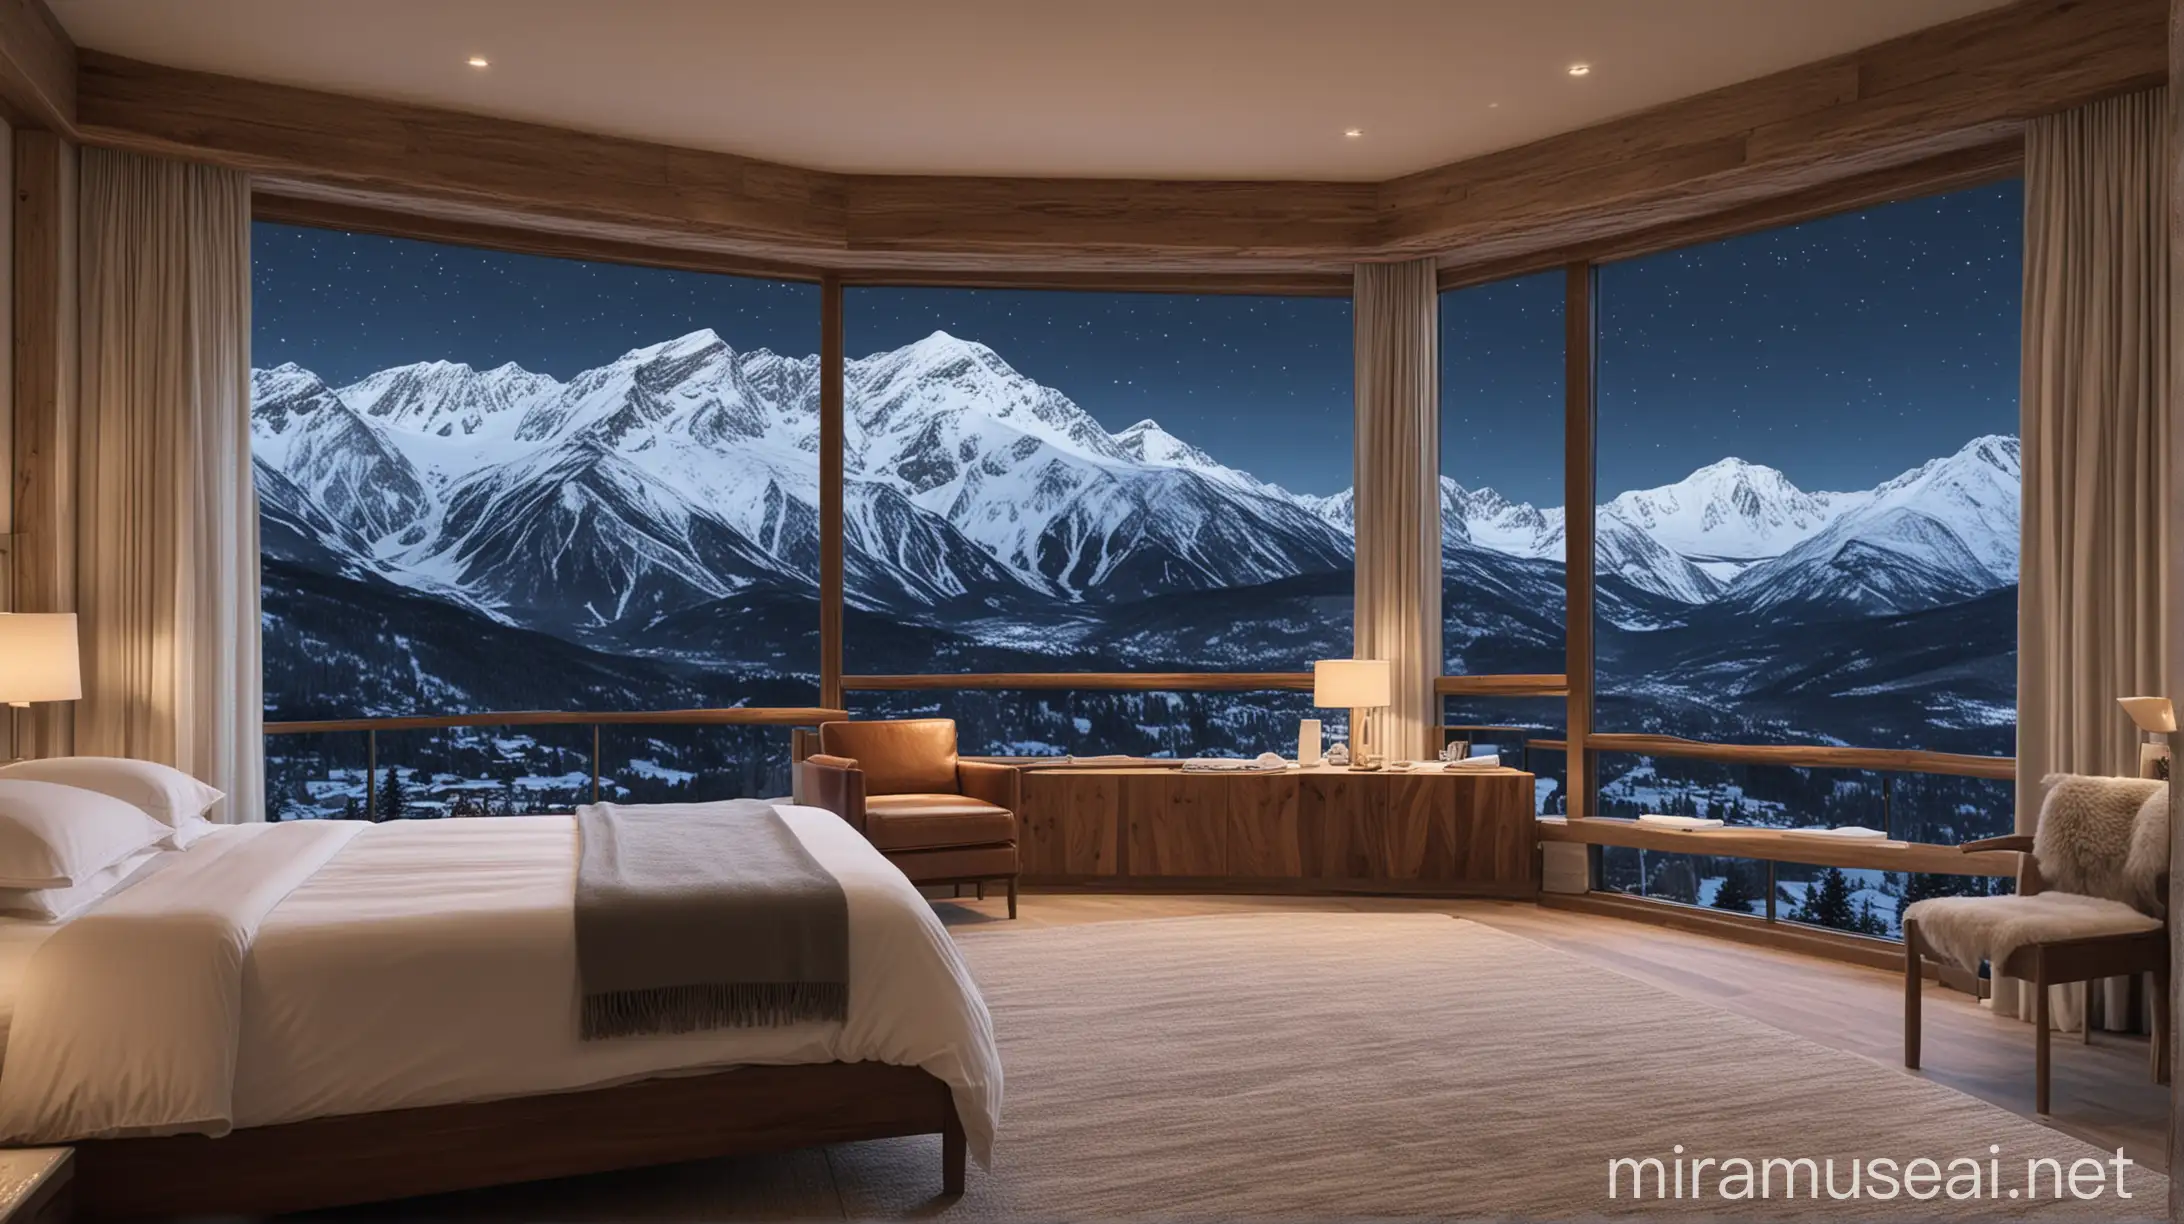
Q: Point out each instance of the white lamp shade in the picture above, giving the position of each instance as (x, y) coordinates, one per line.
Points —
(2150, 713)
(38, 657)
(1350, 683)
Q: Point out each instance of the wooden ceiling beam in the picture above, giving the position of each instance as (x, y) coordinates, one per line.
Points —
(37, 67)
(1965, 85)
(1950, 91)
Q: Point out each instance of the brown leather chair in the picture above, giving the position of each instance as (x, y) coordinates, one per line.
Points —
(941, 819)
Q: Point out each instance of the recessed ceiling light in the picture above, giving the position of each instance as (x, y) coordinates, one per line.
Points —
(1580, 69)
(478, 61)
(1493, 106)
(1352, 133)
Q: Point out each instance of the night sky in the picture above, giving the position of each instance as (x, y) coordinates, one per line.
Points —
(1262, 384)
(1842, 351)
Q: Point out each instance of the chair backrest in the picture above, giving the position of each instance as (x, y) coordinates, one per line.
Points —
(910, 756)
(2105, 837)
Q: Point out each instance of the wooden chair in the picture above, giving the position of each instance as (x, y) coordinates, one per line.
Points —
(2115, 930)
(941, 819)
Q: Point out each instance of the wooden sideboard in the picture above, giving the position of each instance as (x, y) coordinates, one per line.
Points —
(1323, 829)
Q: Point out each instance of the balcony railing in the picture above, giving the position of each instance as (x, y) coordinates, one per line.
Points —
(733, 716)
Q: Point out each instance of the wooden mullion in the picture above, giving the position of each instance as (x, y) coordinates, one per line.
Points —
(832, 438)
(1578, 455)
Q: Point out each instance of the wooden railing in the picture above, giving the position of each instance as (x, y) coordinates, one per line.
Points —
(736, 716)
(732, 716)
(1821, 756)
(1128, 682)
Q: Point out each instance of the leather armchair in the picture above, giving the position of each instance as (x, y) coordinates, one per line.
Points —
(941, 819)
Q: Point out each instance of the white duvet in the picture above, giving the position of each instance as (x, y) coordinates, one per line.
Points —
(273, 973)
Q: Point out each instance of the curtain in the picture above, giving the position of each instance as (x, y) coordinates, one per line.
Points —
(167, 549)
(1398, 501)
(2092, 594)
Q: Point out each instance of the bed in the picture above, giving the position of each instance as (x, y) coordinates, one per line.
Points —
(284, 1017)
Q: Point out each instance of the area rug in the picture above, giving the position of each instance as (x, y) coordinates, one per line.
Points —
(1361, 1066)
(1280, 1067)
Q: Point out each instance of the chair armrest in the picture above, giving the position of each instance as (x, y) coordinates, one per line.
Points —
(2020, 842)
(999, 785)
(831, 782)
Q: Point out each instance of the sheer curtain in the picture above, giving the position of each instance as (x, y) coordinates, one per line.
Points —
(167, 549)
(2092, 593)
(1398, 499)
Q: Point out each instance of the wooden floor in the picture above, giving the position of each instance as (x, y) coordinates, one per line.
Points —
(2103, 1093)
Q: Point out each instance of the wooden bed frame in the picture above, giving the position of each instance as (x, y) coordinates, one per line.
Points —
(361, 1158)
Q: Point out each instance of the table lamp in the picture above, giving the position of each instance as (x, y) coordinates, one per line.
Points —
(38, 662)
(1360, 686)
(2157, 718)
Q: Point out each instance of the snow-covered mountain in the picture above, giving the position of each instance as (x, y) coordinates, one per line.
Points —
(683, 474)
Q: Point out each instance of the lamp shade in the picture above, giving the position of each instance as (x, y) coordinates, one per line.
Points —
(1350, 683)
(2150, 713)
(38, 657)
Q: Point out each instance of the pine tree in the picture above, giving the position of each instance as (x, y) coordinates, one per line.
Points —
(1734, 894)
(349, 810)
(391, 799)
(1827, 902)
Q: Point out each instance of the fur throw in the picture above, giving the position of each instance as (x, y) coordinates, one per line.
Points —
(2105, 837)
(1967, 930)
(2102, 847)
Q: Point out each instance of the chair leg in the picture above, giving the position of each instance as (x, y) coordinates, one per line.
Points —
(955, 890)
(2085, 1012)
(2163, 1020)
(1012, 896)
(2040, 1039)
(981, 890)
(1912, 989)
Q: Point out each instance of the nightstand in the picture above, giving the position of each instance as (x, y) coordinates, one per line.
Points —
(34, 1185)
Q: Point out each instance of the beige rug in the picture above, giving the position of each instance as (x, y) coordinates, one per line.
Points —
(1347, 1066)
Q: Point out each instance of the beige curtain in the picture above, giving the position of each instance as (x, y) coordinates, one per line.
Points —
(167, 563)
(2092, 594)
(1397, 321)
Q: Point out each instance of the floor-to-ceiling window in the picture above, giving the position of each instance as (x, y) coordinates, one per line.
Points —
(1047, 482)
(1503, 592)
(500, 482)
(1807, 534)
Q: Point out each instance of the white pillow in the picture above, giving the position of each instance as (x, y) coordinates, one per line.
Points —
(54, 904)
(164, 793)
(54, 836)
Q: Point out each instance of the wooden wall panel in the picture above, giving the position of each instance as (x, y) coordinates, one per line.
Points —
(1177, 825)
(43, 561)
(37, 67)
(1070, 825)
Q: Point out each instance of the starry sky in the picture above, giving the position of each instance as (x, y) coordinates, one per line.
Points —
(1260, 383)
(1842, 351)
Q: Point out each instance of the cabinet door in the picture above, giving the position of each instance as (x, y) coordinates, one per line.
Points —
(1262, 829)
(1340, 826)
(1496, 840)
(1177, 825)
(1069, 824)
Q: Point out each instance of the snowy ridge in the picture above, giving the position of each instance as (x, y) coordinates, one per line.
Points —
(682, 473)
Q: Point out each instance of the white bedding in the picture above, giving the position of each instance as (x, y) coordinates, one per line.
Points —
(433, 962)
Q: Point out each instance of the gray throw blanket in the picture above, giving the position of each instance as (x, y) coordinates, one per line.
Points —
(701, 916)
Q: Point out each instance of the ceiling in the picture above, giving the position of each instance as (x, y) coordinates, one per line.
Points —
(1258, 89)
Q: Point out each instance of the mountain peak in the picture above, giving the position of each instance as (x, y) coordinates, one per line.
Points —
(1148, 425)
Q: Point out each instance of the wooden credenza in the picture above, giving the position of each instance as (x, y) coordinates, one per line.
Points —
(1303, 830)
